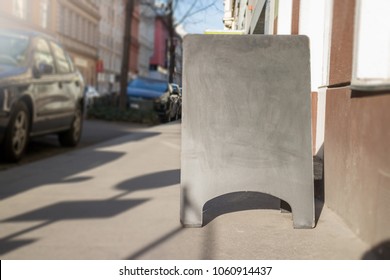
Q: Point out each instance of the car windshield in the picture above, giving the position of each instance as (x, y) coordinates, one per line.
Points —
(13, 49)
(149, 84)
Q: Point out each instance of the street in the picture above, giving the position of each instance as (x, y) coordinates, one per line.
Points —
(94, 131)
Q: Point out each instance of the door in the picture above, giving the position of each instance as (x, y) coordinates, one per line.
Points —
(69, 84)
(47, 88)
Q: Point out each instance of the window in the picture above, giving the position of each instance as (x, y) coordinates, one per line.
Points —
(79, 27)
(71, 65)
(84, 31)
(61, 19)
(20, 8)
(13, 49)
(42, 53)
(72, 23)
(371, 69)
(67, 20)
(44, 13)
(95, 40)
(90, 34)
(63, 62)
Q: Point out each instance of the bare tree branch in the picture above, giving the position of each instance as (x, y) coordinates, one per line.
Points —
(167, 12)
(189, 14)
(186, 13)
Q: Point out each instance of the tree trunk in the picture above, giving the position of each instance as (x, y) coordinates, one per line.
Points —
(171, 33)
(126, 55)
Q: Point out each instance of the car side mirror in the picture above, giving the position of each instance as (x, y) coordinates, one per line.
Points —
(45, 68)
(42, 69)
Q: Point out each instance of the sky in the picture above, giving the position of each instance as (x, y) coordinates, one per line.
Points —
(199, 22)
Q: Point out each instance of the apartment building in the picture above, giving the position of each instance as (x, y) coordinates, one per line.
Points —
(146, 37)
(159, 61)
(36, 14)
(76, 25)
(111, 30)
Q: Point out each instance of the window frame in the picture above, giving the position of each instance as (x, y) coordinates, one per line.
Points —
(34, 50)
(54, 44)
(366, 83)
(20, 9)
(44, 11)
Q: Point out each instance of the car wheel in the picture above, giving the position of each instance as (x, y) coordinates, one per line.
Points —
(17, 133)
(71, 137)
(164, 119)
(179, 112)
(172, 111)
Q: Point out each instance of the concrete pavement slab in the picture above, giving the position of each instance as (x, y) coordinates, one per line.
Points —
(120, 200)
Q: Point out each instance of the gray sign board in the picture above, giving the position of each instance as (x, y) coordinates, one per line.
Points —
(246, 123)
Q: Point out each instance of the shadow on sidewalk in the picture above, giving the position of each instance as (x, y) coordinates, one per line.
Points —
(61, 168)
(378, 252)
(59, 171)
(149, 181)
(242, 201)
(238, 201)
(67, 210)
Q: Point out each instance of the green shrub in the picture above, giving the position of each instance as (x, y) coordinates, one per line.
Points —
(106, 108)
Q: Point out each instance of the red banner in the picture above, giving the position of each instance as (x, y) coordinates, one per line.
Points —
(99, 66)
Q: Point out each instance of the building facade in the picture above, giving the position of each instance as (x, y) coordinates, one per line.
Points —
(350, 84)
(73, 23)
(36, 14)
(111, 28)
(178, 73)
(159, 61)
(77, 27)
(135, 46)
(146, 38)
(111, 31)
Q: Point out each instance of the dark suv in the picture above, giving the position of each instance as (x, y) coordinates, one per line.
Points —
(41, 92)
(149, 94)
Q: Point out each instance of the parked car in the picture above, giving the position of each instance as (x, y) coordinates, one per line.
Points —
(41, 92)
(175, 88)
(176, 101)
(150, 94)
(90, 94)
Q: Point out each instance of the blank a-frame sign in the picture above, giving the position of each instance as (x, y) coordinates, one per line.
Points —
(246, 122)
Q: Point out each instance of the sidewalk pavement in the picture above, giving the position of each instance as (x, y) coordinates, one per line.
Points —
(120, 200)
